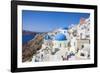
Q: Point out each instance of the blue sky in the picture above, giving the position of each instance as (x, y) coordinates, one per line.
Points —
(43, 21)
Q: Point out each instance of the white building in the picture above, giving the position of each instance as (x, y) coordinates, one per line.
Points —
(59, 42)
(83, 29)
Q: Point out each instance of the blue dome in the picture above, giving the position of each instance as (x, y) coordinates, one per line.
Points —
(47, 37)
(65, 28)
(60, 37)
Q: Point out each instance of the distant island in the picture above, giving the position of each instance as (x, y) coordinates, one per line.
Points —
(26, 32)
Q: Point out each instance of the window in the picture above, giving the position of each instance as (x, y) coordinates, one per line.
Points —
(60, 44)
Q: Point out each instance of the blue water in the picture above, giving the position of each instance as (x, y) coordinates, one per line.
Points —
(26, 38)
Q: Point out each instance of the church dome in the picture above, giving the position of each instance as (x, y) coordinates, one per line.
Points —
(65, 28)
(60, 37)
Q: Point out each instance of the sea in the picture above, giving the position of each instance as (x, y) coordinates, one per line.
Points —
(27, 37)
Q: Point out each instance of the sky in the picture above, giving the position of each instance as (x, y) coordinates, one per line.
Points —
(44, 21)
